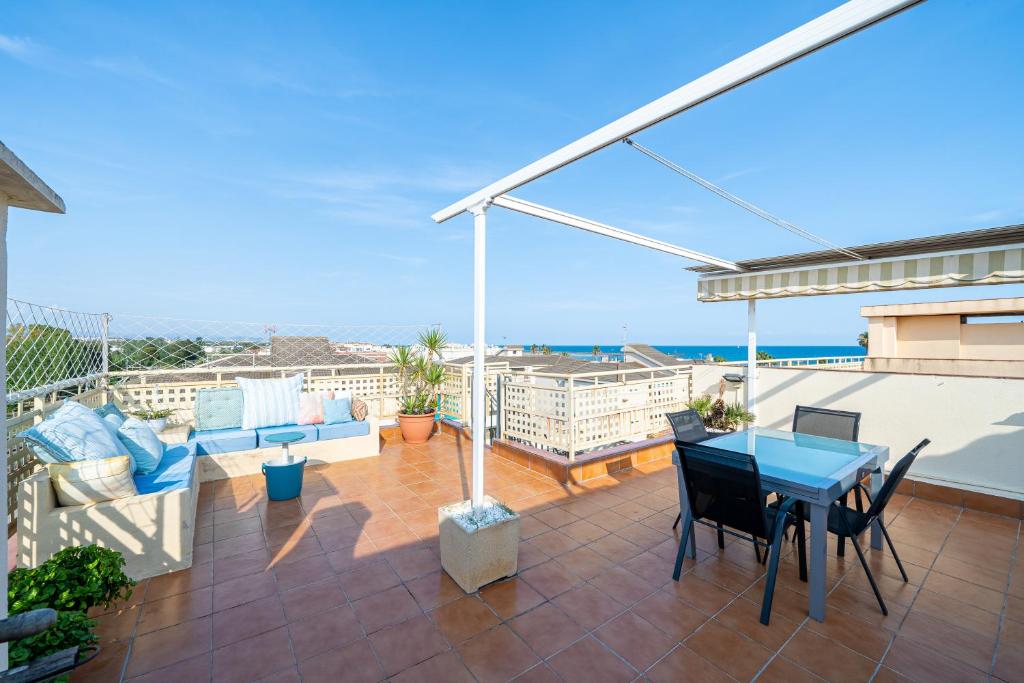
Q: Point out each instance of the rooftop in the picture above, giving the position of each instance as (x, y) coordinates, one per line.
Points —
(347, 579)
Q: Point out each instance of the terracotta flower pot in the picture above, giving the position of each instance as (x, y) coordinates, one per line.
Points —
(416, 428)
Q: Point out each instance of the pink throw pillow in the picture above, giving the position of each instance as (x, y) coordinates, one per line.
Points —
(311, 406)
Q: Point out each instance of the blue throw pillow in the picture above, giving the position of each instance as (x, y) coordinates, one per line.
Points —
(337, 410)
(110, 409)
(145, 446)
(71, 434)
(218, 408)
(112, 421)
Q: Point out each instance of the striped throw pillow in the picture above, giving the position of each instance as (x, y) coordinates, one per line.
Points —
(92, 481)
(270, 402)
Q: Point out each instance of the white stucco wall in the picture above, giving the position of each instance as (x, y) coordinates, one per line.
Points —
(976, 424)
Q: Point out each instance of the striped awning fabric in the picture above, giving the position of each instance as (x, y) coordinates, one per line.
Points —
(986, 266)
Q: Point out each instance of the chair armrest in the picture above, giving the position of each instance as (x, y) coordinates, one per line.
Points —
(26, 624)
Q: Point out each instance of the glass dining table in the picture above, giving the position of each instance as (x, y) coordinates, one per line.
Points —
(812, 469)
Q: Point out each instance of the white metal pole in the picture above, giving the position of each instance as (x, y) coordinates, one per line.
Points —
(479, 212)
(3, 422)
(752, 355)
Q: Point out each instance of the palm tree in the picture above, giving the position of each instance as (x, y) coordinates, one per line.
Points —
(596, 351)
(434, 341)
(862, 339)
(545, 349)
(533, 348)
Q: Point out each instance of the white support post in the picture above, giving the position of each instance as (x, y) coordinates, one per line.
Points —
(105, 381)
(479, 212)
(752, 355)
(3, 423)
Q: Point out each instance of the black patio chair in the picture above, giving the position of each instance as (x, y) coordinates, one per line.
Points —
(844, 521)
(834, 424)
(724, 492)
(688, 427)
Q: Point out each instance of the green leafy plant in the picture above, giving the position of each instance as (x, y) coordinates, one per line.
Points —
(702, 404)
(764, 355)
(862, 339)
(152, 413)
(73, 581)
(717, 414)
(71, 629)
(420, 372)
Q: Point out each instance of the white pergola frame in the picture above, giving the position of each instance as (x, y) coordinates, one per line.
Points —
(829, 28)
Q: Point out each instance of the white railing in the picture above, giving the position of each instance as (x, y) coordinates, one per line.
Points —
(831, 362)
(578, 413)
(175, 390)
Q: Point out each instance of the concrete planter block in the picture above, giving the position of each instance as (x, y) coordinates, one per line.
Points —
(476, 558)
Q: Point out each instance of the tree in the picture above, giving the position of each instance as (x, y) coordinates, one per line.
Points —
(545, 349)
(862, 339)
(38, 355)
(764, 355)
(596, 351)
(533, 348)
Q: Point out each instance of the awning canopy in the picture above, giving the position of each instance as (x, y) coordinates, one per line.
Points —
(979, 257)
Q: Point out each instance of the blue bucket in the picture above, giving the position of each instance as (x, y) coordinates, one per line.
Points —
(284, 477)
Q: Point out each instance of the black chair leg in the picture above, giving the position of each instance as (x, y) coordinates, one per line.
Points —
(892, 548)
(683, 542)
(773, 569)
(871, 578)
(721, 537)
(757, 550)
(678, 518)
(801, 541)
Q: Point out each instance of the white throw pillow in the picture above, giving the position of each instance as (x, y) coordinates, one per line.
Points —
(92, 481)
(270, 402)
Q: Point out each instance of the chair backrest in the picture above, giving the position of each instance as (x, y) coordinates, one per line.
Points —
(834, 424)
(723, 486)
(893, 480)
(688, 426)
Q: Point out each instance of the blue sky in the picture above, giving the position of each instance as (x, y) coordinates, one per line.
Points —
(280, 161)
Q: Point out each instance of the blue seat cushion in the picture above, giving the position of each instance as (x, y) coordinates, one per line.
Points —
(343, 430)
(308, 434)
(174, 472)
(217, 441)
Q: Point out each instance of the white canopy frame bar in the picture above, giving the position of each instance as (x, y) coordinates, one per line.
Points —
(740, 202)
(829, 28)
(557, 216)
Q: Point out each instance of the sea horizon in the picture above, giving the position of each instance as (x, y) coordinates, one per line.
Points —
(730, 352)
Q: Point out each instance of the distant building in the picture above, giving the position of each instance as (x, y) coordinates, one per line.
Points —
(511, 350)
(982, 337)
(648, 356)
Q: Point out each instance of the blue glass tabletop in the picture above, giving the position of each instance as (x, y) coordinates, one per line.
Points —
(799, 458)
(284, 437)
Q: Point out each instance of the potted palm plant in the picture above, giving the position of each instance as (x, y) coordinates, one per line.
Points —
(420, 376)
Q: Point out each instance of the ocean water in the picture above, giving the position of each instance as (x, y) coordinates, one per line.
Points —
(728, 352)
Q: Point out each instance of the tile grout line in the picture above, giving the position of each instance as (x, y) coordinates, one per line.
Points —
(1006, 603)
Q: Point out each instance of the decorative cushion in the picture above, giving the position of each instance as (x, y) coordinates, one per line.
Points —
(92, 481)
(143, 444)
(359, 409)
(109, 409)
(218, 408)
(311, 407)
(337, 410)
(71, 434)
(113, 422)
(270, 402)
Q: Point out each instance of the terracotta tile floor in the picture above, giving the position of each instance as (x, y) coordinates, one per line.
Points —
(346, 584)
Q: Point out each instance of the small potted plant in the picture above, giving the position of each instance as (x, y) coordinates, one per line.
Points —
(420, 376)
(155, 418)
(478, 544)
(719, 416)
